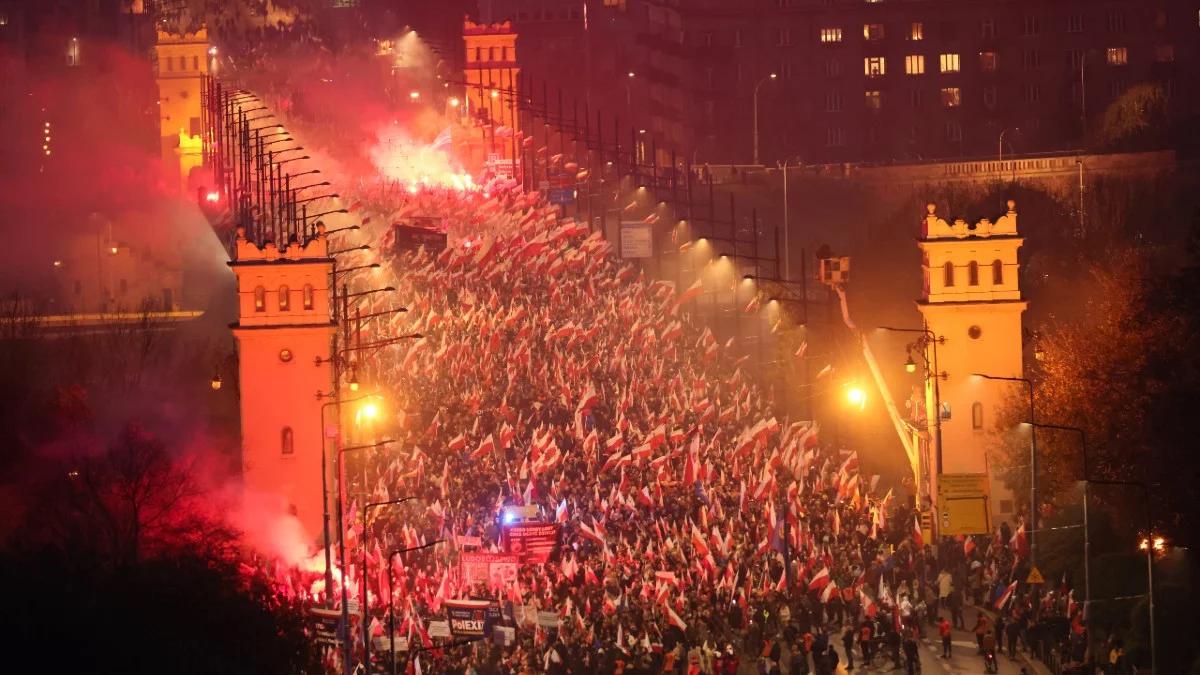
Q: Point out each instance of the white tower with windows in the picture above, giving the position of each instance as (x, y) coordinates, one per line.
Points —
(972, 299)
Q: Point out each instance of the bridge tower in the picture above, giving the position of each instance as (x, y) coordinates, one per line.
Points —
(284, 334)
(181, 62)
(972, 303)
(490, 73)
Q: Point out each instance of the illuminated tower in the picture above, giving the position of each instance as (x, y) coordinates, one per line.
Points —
(284, 335)
(491, 69)
(972, 298)
(182, 61)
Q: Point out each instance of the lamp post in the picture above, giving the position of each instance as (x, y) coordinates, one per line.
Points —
(1087, 539)
(392, 594)
(325, 483)
(1149, 545)
(760, 83)
(932, 340)
(1033, 458)
(787, 249)
(365, 614)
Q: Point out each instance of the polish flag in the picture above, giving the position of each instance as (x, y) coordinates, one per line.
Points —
(486, 447)
(693, 291)
(458, 442)
(918, 539)
(968, 546)
(613, 444)
(829, 592)
(820, 580)
(560, 513)
(803, 349)
(674, 619)
(591, 533)
(1006, 595)
(868, 605)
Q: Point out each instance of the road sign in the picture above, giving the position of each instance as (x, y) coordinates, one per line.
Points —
(327, 625)
(1035, 577)
(637, 240)
(962, 504)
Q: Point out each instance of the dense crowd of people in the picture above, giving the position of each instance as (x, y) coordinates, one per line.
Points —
(699, 532)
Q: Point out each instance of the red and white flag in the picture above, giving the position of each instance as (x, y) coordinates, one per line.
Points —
(1006, 595)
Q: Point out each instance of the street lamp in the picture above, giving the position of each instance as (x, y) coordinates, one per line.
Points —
(367, 629)
(364, 247)
(1033, 457)
(1150, 544)
(1087, 539)
(392, 593)
(331, 195)
(761, 82)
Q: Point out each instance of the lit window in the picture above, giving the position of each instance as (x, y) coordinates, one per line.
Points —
(949, 63)
(977, 415)
(872, 31)
(874, 101)
(874, 66)
(287, 444)
(997, 273)
(1117, 56)
(308, 296)
(914, 64)
(916, 31)
(1164, 53)
(829, 35)
(948, 274)
(260, 299)
(951, 97)
(987, 62)
(73, 57)
(285, 298)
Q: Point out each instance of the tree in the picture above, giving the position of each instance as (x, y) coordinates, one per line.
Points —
(1134, 120)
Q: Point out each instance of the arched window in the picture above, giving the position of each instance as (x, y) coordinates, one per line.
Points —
(997, 273)
(285, 298)
(977, 415)
(286, 445)
(308, 296)
(948, 274)
(260, 299)
(973, 273)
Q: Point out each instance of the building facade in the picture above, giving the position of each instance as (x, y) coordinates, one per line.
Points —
(973, 306)
(863, 80)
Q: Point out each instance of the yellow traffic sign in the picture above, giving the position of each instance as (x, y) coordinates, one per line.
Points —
(962, 503)
(1035, 577)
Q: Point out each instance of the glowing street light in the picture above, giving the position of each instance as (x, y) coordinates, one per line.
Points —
(772, 76)
(414, 95)
(857, 397)
(454, 102)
